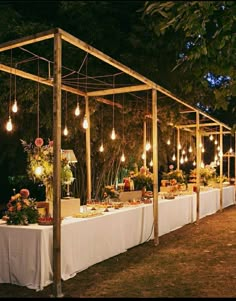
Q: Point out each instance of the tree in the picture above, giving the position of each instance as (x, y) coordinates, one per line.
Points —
(205, 31)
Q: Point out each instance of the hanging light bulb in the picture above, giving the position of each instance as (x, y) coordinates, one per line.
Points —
(183, 152)
(190, 149)
(9, 125)
(194, 163)
(122, 158)
(230, 150)
(101, 148)
(202, 164)
(151, 163)
(173, 157)
(143, 156)
(182, 160)
(186, 159)
(168, 142)
(216, 142)
(38, 170)
(148, 146)
(65, 132)
(85, 122)
(179, 146)
(218, 147)
(211, 137)
(203, 150)
(14, 107)
(200, 144)
(113, 134)
(77, 109)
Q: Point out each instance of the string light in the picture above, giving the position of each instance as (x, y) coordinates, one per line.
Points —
(15, 107)
(9, 125)
(101, 148)
(85, 122)
(77, 109)
(65, 132)
(123, 139)
(113, 133)
(148, 146)
(122, 157)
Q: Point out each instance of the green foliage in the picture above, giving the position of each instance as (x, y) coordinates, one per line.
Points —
(208, 28)
(143, 179)
(41, 157)
(177, 175)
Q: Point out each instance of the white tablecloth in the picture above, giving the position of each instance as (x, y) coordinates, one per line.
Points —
(173, 214)
(26, 255)
(26, 251)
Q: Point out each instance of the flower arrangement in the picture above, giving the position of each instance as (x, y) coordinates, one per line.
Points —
(144, 178)
(175, 176)
(206, 173)
(110, 192)
(40, 164)
(21, 210)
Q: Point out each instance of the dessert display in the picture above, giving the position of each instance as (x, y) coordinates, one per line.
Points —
(88, 214)
(45, 220)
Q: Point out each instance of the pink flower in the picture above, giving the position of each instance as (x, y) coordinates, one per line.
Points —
(171, 166)
(38, 142)
(24, 193)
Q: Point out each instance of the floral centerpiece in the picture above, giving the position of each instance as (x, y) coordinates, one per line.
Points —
(143, 179)
(175, 176)
(206, 173)
(110, 192)
(40, 165)
(21, 210)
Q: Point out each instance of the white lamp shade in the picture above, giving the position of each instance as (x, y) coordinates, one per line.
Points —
(69, 155)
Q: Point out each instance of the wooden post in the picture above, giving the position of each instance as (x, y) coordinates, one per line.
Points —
(177, 148)
(198, 165)
(235, 167)
(57, 167)
(144, 142)
(88, 150)
(155, 165)
(221, 168)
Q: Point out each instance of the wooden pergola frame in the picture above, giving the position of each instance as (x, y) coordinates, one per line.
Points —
(58, 35)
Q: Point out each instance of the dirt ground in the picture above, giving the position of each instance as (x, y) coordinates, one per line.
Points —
(197, 260)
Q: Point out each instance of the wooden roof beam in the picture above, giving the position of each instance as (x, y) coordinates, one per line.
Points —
(49, 82)
(119, 90)
(38, 37)
(194, 125)
(39, 79)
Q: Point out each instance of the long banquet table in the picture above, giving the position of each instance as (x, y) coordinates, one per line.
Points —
(26, 251)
